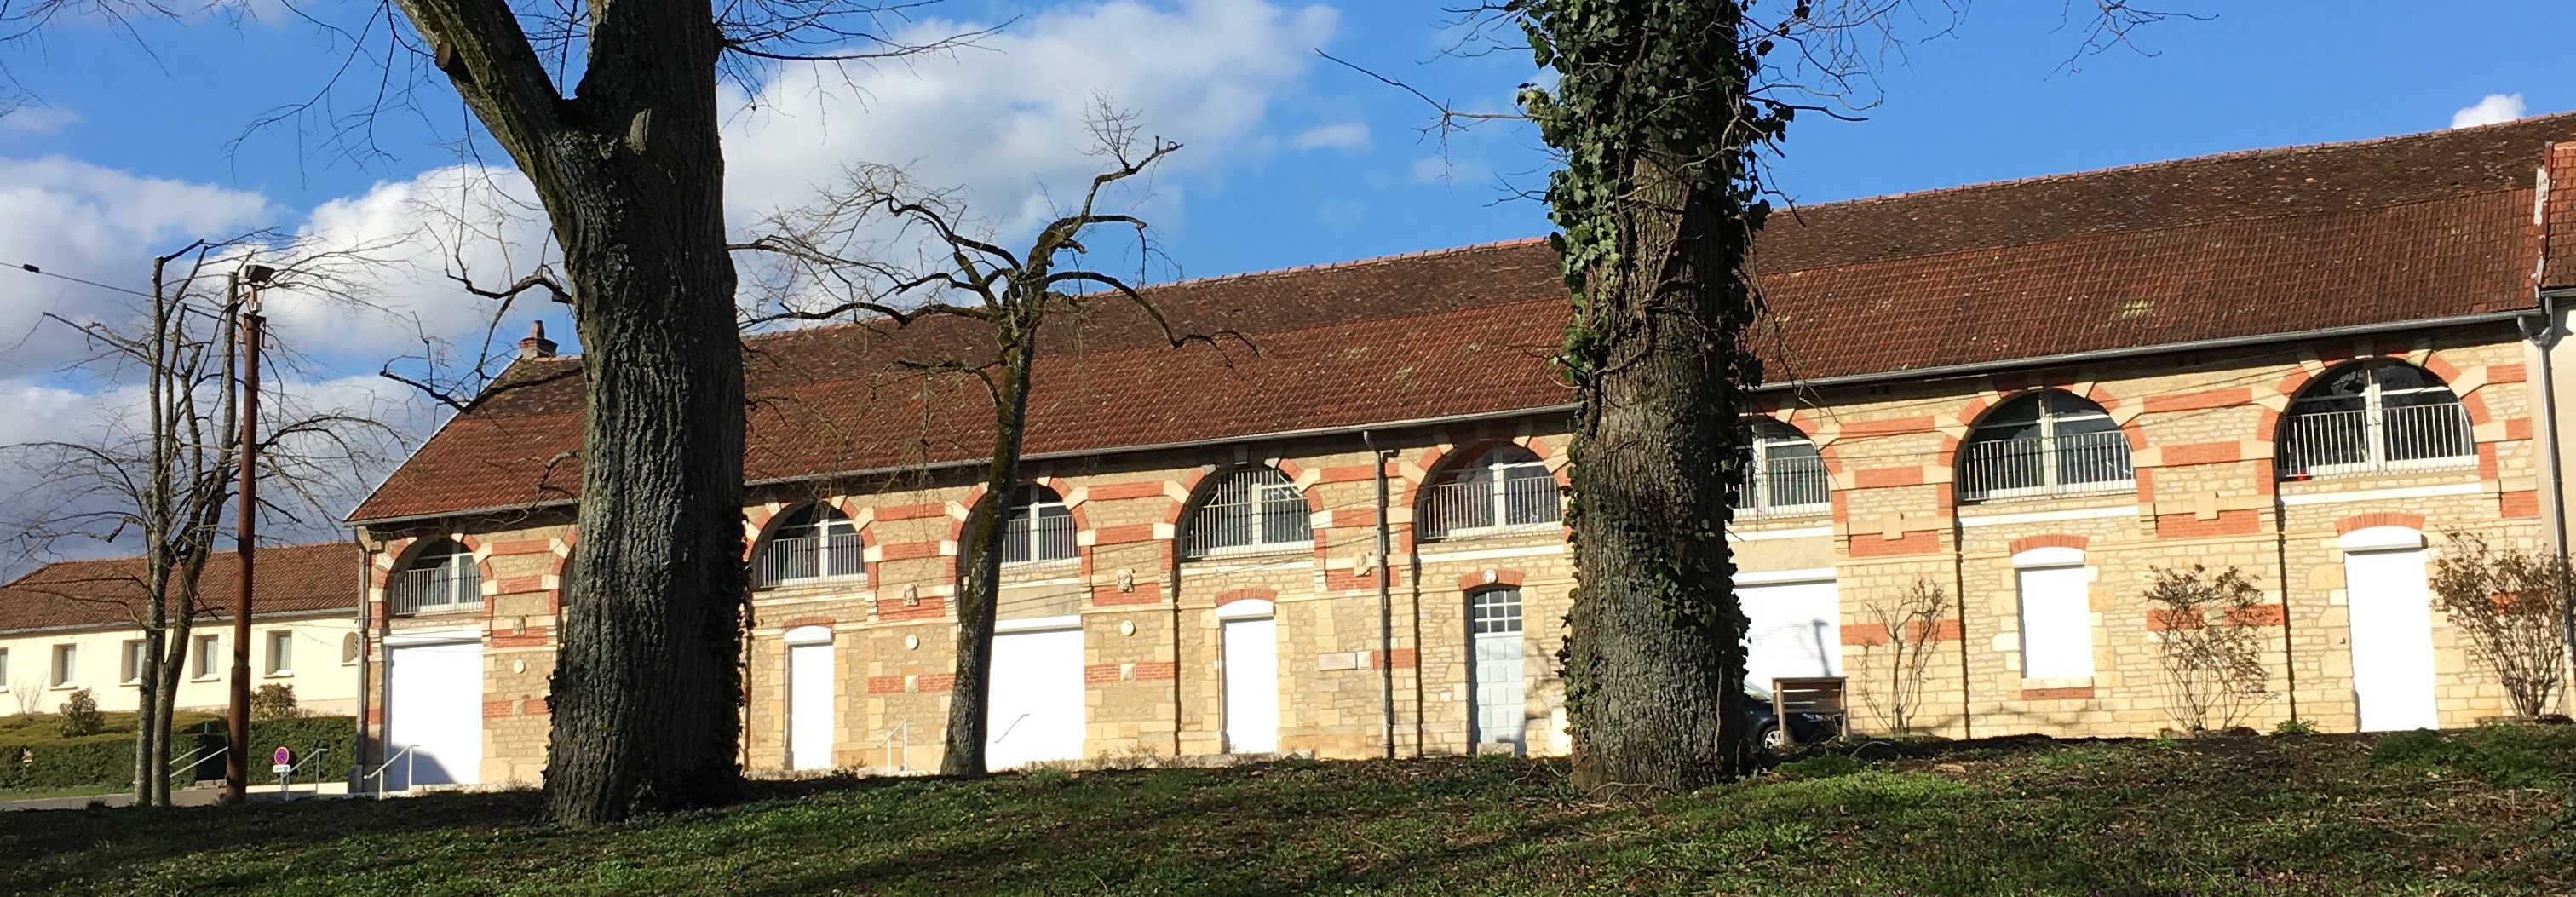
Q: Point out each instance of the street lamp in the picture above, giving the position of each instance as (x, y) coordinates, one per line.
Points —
(237, 760)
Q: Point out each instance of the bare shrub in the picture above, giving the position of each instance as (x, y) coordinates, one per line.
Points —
(1896, 664)
(2209, 645)
(2512, 605)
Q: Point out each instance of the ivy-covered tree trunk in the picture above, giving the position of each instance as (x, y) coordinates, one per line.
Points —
(1656, 205)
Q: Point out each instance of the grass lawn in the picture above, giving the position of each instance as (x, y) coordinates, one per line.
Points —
(2482, 813)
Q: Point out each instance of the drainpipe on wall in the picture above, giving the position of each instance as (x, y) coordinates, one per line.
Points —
(2547, 340)
(366, 564)
(1385, 596)
(1959, 581)
(2281, 561)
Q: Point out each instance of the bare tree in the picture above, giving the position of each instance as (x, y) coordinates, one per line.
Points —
(839, 247)
(168, 484)
(2510, 602)
(2209, 645)
(1896, 657)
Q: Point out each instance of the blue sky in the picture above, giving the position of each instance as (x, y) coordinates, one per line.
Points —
(1984, 103)
(149, 138)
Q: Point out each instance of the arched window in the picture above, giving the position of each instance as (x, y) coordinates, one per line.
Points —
(816, 542)
(1039, 529)
(1505, 488)
(2044, 443)
(2374, 417)
(1250, 511)
(351, 645)
(441, 575)
(1786, 476)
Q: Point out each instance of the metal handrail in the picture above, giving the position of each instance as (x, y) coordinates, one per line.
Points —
(902, 761)
(408, 769)
(191, 756)
(1013, 727)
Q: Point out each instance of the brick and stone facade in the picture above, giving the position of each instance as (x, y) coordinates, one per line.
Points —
(1408, 368)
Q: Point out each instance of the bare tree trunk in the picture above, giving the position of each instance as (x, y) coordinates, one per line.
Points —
(647, 683)
(970, 695)
(631, 172)
(646, 687)
(1656, 650)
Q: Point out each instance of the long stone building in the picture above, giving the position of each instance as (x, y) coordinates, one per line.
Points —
(2310, 364)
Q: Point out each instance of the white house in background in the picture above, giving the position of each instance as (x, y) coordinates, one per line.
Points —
(75, 624)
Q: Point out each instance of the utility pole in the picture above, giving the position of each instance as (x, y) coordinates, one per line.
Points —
(237, 760)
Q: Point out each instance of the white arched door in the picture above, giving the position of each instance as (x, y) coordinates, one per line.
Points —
(1251, 677)
(810, 697)
(2392, 629)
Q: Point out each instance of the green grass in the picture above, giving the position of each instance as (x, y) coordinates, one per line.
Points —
(2464, 814)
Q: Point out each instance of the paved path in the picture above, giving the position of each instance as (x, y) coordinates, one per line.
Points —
(186, 797)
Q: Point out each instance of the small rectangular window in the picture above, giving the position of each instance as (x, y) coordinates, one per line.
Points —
(281, 652)
(66, 664)
(132, 671)
(4, 669)
(207, 665)
(2056, 623)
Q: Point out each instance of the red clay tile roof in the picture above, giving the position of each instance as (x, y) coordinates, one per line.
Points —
(2246, 244)
(109, 592)
(2560, 231)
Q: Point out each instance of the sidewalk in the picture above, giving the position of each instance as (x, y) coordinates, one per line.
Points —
(185, 797)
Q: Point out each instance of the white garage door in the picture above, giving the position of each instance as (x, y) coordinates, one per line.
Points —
(1251, 686)
(436, 711)
(809, 698)
(2392, 640)
(1036, 712)
(1796, 630)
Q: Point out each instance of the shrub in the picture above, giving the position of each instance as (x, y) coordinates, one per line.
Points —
(1895, 664)
(107, 758)
(274, 701)
(81, 716)
(2294, 726)
(2208, 645)
(2512, 605)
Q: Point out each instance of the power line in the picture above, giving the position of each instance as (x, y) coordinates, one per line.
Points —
(31, 269)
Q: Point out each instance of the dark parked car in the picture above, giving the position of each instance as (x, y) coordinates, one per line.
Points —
(1808, 728)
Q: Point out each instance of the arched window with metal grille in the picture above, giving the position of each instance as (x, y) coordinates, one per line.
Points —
(815, 542)
(2374, 417)
(1250, 512)
(441, 575)
(1785, 476)
(2044, 443)
(1039, 528)
(1507, 488)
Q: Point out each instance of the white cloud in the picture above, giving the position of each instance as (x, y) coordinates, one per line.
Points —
(83, 221)
(1005, 122)
(1346, 135)
(2497, 108)
(36, 120)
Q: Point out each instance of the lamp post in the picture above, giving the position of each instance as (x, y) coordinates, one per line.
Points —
(237, 760)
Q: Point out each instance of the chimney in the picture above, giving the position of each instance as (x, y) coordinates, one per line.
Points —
(536, 346)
